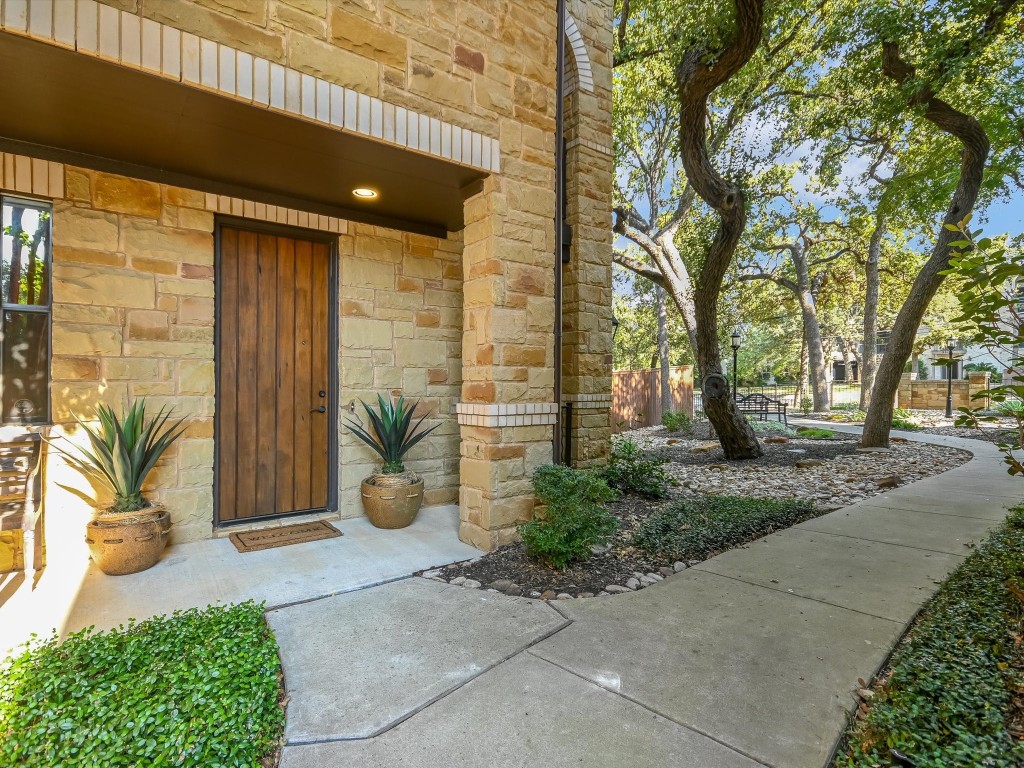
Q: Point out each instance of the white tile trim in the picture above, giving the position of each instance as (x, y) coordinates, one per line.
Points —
(99, 30)
(584, 79)
(506, 414)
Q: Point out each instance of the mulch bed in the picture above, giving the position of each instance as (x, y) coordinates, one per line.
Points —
(589, 578)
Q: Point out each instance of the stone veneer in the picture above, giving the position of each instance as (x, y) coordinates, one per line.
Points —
(485, 67)
(133, 313)
(930, 394)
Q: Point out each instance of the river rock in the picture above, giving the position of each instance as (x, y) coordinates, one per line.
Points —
(809, 463)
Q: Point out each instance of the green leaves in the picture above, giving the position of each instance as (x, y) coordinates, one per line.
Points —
(947, 697)
(197, 688)
(703, 526)
(392, 433)
(123, 454)
(576, 518)
(630, 470)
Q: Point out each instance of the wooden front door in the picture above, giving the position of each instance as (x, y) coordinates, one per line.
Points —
(274, 414)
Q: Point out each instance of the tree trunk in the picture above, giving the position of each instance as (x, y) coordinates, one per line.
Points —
(869, 357)
(815, 353)
(973, 155)
(697, 76)
(666, 386)
(801, 376)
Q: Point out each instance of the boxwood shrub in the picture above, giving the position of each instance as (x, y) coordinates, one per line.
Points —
(947, 697)
(576, 517)
(631, 470)
(196, 688)
(699, 527)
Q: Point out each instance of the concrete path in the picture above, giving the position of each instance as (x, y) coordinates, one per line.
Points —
(72, 593)
(749, 659)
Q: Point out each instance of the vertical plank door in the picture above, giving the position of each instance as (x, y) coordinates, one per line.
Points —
(273, 426)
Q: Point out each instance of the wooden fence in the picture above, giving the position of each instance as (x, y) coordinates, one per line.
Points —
(636, 396)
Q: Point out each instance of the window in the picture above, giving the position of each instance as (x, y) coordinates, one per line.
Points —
(25, 334)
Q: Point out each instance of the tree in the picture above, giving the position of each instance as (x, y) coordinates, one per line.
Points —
(993, 316)
(929, 64)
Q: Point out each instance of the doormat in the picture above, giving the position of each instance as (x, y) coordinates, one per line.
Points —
(268, 538)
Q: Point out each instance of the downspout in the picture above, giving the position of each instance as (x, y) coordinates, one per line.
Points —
(556, 439)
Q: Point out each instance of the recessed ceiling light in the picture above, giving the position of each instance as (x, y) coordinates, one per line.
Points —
(364, 192)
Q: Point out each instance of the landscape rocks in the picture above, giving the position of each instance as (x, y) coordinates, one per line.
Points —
(776, 440)
(808, 463)
(834, 482)
(889, 481)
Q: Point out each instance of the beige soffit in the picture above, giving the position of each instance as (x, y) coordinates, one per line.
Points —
(99, 30)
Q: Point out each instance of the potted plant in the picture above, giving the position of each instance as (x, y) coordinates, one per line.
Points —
(127, 535)
(391, 496)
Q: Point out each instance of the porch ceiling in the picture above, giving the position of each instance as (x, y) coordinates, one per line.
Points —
(82, 110)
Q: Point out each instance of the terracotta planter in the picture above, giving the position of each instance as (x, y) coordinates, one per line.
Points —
(131, 544)
(392, 506)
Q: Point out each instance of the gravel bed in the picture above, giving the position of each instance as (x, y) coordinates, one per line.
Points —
(838, 474)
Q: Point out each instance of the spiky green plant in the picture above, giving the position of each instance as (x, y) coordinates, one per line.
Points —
(393, 432)
(124, 452)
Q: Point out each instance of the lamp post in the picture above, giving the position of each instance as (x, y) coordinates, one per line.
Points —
(950, 344)
(735, 350)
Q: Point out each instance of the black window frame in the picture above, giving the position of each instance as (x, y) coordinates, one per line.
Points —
(46, 417)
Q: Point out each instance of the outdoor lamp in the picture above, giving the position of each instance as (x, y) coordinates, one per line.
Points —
(615, 326)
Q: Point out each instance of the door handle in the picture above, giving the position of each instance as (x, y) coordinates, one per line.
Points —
(320, 409)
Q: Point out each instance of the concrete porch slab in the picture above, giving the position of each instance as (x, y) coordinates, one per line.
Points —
(883, 580)
(358, 663)
(718, 655)
(203, 572)
(923, 530)
(526, 713)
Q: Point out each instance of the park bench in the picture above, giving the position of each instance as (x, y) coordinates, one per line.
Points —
(21, 509)
(761, 406)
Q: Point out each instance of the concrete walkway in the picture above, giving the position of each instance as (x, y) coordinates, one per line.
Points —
(72, 593)
(748, 659)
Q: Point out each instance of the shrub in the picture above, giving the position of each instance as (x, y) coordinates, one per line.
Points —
(701, 526)
(677, 421)
(806, 404)
(196, 688)
(816, 433)
(1012, 408)
(576, 518)
(901, 413)
(948, 693)
(769, 427)
(905, 425)
(630, 470)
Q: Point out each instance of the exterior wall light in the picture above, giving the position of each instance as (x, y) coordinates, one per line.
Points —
(364, 193)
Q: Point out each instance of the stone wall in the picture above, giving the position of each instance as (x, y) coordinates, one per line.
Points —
(930, 394)
(587, 278)
(490, 68)
(133, 315)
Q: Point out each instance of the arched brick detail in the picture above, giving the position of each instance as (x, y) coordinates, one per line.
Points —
(579, 73)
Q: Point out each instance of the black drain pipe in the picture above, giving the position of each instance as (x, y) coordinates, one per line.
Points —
(559, 207)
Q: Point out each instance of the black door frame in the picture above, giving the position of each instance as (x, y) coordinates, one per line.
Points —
(333, 359)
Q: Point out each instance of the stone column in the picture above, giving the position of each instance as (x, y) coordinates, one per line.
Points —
(507, 410)
(587, 278)
(976, 382)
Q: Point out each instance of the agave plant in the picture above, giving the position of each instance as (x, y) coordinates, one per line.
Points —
(393, 432)
(124, 452)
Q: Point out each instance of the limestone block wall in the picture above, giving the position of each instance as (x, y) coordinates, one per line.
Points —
(133, 316)
(486, 67)
(401, 331)
(587, 278)
(930, 394)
